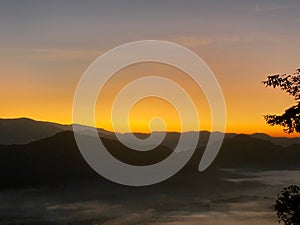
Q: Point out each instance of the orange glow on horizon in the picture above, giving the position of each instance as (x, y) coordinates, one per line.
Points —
(51, 100)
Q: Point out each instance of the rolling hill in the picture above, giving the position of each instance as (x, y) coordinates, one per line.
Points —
(56, 159)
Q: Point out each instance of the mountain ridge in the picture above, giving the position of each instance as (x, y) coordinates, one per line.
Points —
(57, 159)
(25, 130)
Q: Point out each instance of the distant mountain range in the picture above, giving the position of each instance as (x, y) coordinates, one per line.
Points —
(25, 130)
(52, 156)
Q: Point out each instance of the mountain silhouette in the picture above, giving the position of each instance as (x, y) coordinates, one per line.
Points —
(283, 141)
(24, 130)
(57, 160)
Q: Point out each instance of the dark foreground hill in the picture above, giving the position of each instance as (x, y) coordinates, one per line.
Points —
(57, 160)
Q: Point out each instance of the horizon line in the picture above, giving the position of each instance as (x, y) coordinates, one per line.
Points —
(140, 132)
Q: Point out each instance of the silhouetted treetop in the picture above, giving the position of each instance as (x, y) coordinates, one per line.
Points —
(287, 205)
(290, 119)
(286, 82)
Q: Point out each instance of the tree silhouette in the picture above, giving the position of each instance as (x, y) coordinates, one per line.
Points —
(288, 205)
(290, 119)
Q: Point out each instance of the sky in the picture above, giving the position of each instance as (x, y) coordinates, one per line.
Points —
(45, 47)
